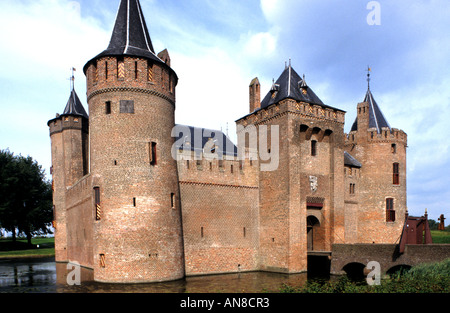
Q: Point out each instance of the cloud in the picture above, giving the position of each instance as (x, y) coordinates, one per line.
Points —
(260, 45)
(41, 41)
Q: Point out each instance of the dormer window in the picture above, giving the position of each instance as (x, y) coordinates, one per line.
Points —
(303, 86)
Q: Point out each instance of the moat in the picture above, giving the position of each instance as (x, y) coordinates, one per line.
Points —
(46, 276)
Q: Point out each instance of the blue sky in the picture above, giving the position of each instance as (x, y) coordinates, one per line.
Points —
(217, 47)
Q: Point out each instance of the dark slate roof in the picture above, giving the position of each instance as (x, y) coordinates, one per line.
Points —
(74, 106)
(290, 86)
(130, 35)
(349, 160)
(376, 117)
(195, 139)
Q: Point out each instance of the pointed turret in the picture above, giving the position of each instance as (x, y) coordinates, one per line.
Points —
(376, 118)
(130, 36)
(74, 106)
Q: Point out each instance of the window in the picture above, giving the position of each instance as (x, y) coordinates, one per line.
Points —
(95, 73)
(108, 107)
(201, 232)
(172, 200)
(106, 70)
(102, 261)
(136, 70)
(396, 174)
(313, 148)
(120, 68)
(98, 211)
(394, 148)
(134, 202)
(152, 153)
(352, 189)
(390, 212)
(126, 106)
(150, 72)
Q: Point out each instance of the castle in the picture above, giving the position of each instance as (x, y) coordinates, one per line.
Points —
(138, 198)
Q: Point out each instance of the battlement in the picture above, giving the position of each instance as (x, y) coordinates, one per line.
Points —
(373, 136)
(125, 73)
(63, 122)
(228, 169)
(308, 110)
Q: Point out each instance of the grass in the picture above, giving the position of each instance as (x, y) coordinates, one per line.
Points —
(440, 236)
(22, 250)
(425, 278)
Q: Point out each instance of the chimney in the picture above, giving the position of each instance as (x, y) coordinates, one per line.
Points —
(255, 95)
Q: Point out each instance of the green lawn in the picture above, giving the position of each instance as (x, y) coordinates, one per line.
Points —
(440, 236)
(21, 248)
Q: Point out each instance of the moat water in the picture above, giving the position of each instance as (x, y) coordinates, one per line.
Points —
(46, 276)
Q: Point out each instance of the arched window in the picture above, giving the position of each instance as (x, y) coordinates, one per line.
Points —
(390, 212)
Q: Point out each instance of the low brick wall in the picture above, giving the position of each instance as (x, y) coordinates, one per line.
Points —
(386, 254)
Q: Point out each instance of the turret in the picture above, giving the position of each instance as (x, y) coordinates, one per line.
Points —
(69, 133)
(131, 96)
(381, 150)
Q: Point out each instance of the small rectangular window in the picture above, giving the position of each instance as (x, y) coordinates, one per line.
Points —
(102, 261)
(172, 200)
(106, 70)
(201, 232)
(394, 148)
(98, 209)
(95, 73)
(134, 202)
(108, 107)
(150, 72)
(313, 148)
(136, 72)
(126, 106)
(152, 153)
(396, 174)
(390, 212)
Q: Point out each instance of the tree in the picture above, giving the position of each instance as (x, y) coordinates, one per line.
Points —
(25, 196)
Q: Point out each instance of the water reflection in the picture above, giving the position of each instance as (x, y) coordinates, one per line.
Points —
(45, 275)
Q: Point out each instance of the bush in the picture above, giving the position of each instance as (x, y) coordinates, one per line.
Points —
(425, 278)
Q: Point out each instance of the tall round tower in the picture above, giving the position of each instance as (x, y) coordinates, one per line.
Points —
(69, 134)
(382, 180)
(131, 97)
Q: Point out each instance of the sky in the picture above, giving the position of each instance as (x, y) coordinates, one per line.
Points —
(218, 46)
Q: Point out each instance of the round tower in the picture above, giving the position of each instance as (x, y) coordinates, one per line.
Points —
(69, 134)
(131, 96)
(381, 150)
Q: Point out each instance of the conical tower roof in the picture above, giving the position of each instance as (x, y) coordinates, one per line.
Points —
(74, 106)
(376, 117)
(130, 35)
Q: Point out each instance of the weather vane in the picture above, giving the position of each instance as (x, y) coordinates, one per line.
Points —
(72, 79)
(368, 76)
